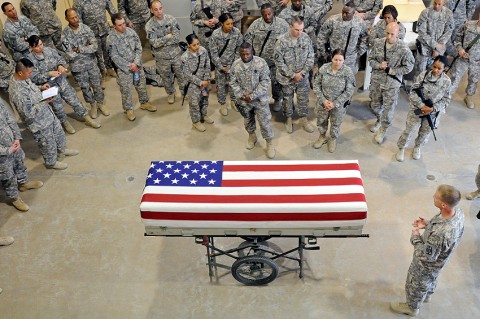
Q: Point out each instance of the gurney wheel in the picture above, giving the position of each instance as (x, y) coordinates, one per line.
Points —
(257, 238)
(254, 270)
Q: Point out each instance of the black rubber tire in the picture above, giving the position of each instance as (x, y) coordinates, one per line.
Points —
(258, 238)
(254, 270)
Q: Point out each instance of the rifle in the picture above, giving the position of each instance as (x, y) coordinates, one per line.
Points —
(429, 103)
(387, 69)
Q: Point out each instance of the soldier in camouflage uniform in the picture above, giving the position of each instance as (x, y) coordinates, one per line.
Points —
(163, 33)
(277, 5)
(250, 82)
(320, 9)
(294, 60)
(390, 59)
(37, 115)
(389, 14)
(7, 67)
(205, 25)
(16, 31)
(43, 15)
(49, 68)
(13, 173)
(224, 50)
(476, 193)
(125, 50)
(462, 11)
(435, 85)
(136, 14)
(235, 8)
(196, 69)
(344, 31)
(80, 47)
(367, 9)
(93, 14)
(271, 27)
(432, 249)
(434, 27)
(333, 85)
(467, 60)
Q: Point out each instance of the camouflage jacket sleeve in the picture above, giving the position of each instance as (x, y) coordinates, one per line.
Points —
(157, 33)
(263, 86)
(438, 91)
(372, 8)
(197, 16)
(11, 128)
(115, 53)
(92, 45)
(28, 104)
(317, 83)
(422, 25)
(190, 63)
(362, 44)
(121, 9)
(24, 9)
(459, 36)
(324, 35)
(110, 8)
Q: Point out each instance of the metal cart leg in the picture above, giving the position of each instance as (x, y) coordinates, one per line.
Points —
(301, 244)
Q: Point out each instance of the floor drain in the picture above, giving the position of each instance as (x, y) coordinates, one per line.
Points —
(431, 177)
(130, 178)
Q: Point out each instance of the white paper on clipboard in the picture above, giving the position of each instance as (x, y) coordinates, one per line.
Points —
(48, 93)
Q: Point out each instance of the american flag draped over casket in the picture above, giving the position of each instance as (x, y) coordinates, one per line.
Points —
(254, 198)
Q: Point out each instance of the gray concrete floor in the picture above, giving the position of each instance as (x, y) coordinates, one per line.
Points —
(80, 251)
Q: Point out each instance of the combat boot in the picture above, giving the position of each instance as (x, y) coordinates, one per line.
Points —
(103, 109)
(5, 241)
(91, 122)
(332, 145)
(199, 126)
(70, 152)
(29, 185)
(223, 110)
(208, 119)
(403, 308)
(289, 125)
(322, 139)
(68, 127)
(233, 105)
(380, 136)
(427, 299)
(469, 101)
(473, 195)
(417, 153)
(103, 83)
(375, 127)
(252, 139)
(171, 98)
(111, 72)
(19, 204)
(93, 112)
(131, 115)
(270, 149)
(400, 156)
(148, 107)
(277, 105)
(307, 126)
(58, 165)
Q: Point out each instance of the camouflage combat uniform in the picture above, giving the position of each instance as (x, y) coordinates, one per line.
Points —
(93, 14)
(236, 10)
(231, 41)
(253, 78)
(136, 12)
(379, 30)
(43, 15)
(12, 168)
(292, 56)
(125, 48)
(309, 22)
(436, 89)
(15, 35)
(335, 33)
(217, 7)
(433, 28)
(166, 50)
(49, 61)
(320, 8)
(432, 251)
(196, 69)
(39, 118)
(370, 7)
(256, 35)
(462, 12)
(83, 63)
(384, 88)
(465, 36)
(337, 88)
(7, 67)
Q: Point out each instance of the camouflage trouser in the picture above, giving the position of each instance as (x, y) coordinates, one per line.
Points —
(262, 112)
(198, 103)
(458, 70)
(51, 140)
(139, 28)
(352, 63)
(125, 82)
(68, 94)
(450, 48)
(89, 81)
(335, 115)
(53, 40)
(421, 62)
(383, 103)
(103, 59)
(276, 87)
(303, 90)
(417, 287)
(165, 68)
(13, 172)
(223, 79)
(424, 131)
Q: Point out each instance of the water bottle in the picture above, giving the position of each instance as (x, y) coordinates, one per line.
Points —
(136, 78)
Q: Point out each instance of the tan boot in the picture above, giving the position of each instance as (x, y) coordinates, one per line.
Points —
(375, 127)
(103, 109)
(289, 125)
(233, 105)
(131, 115)
(473, 195)
(469, 101)
(7, 240)
(19, 204)
(58, 165)
(322, 139)
(68, 127)
(417, 153)
(91, 122)
(307, 126)
(70, 152)
(103, 83)
(380, 136)
(252, 139)
(199, 126)
(171, 98)
(208, 119)
(270, 149)
(93, 112)
(111, 72)
(403, 308)
(332, 145)
(400, 156)
(223, 110)
(29, 185)
(148, 107)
